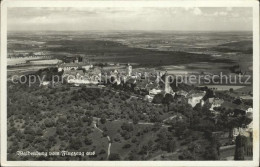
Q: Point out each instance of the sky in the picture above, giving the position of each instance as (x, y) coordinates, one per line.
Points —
(138, 18)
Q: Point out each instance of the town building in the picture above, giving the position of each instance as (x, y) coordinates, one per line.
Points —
(45, 83)
(215, 102)
(79, 77)
(182, 93)
(154, 92)
(87, 67)
(148, 98)
(69, 66)
(167, 88)
(195, 97)
(249, 110)
(245, 130)
(129, 70)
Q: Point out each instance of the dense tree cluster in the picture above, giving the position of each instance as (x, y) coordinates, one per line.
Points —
(55, 117)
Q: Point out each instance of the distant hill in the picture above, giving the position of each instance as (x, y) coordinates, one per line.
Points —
(240, 46)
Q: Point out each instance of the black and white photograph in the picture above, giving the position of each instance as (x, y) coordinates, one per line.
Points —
(129, 83)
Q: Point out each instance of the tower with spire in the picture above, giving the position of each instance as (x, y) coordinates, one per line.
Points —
(129, 70)
(167, 87)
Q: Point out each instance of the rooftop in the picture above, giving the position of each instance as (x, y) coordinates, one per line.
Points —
(196, 93)
(74, 72)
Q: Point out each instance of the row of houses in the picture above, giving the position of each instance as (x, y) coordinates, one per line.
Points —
(74, 66)
(85, 74)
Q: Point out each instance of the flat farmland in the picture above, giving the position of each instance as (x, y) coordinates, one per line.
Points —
(116, 52)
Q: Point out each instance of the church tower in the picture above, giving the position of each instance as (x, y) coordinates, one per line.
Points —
(167, 87)
(129, 70)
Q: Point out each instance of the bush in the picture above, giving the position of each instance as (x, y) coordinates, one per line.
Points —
(171, 145)
(158, 99)
(88, 141)
(29, 130)
(126, 146)
(102, 151)
(117, 138)
(128, 127)
(49, 123)
(103, 119)
(75, 144)
(114, 157)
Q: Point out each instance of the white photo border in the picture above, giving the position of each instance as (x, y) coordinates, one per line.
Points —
(126, 3)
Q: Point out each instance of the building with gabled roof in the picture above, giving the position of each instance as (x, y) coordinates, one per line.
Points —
(182, 93)
(215, 102)
(195, 97)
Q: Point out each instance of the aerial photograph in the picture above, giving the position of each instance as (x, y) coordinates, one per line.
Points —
(129, 83)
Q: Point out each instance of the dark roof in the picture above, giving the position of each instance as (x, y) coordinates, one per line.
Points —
(195, 93)
(152, 86)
